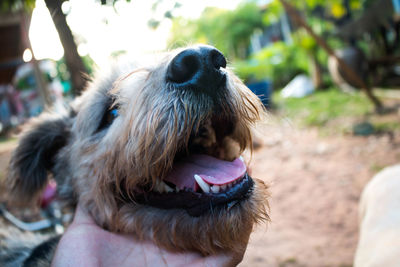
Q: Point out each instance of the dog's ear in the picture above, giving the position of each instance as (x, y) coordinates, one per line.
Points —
(35, 156)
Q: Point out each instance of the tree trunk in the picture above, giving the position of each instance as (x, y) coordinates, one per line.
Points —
(316, 72)
(41, 84)
(343, 65)
(73, 61)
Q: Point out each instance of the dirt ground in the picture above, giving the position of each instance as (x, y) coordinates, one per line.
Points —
(315, 184)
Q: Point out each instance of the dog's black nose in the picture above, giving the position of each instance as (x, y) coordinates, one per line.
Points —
(198, 68)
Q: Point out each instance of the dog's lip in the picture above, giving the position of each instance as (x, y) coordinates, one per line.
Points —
(199, 203)
(211, 170)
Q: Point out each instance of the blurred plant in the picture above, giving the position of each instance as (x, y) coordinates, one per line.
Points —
(110, 2)
(73, 61)
(278, 62)
(328, 10)
(323, 107)
(316, 12)
(322, 18)
(228, 30)
(16, 5)
(295, 15)
(78, 67)
(166, 12)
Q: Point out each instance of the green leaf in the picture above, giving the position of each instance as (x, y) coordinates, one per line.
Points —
(153, 23)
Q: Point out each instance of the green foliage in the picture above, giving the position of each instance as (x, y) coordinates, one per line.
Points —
(64, 75)
(278, 62)
(273, 13)
(386, 126)
(333, 8)
(89, 64)
(305, 48)
(14, 5)
(153, 22)
(305, 41)
(110, 2)
(323, 106)
(229, 31)
(184, 32)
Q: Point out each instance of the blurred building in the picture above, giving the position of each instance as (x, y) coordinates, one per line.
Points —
(22, 88)
(12, 45)
(278, 31)
(11, 52)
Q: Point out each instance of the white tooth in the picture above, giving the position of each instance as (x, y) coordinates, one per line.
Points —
(158, 186)
(161, 187)
(203, 185)
(215, 188)
(167, 188)
(223, 187)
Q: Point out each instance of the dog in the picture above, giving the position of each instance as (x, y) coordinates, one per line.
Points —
(379, 241)
(152, 143)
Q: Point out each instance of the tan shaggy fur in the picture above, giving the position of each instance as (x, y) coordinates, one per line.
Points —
(101, 170)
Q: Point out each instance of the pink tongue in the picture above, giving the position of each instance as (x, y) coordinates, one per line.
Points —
(212, 170)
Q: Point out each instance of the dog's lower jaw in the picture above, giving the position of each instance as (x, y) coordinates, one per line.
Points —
(218, 231)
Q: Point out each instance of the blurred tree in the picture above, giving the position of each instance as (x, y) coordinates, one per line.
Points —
(353, 76)
(316, 12)
(21, 9)
(16, 5)
(167, 13)
(75, 64)
(228, 30)
(73, 61)
(314, 38)
(278, 62)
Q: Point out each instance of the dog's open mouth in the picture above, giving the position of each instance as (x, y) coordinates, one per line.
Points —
(207, 172)
(200, 183)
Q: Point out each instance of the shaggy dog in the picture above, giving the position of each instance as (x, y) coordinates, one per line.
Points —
(379, 242)
(154, 149)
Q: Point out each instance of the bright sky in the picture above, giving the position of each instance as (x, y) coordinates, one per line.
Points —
(102, 30)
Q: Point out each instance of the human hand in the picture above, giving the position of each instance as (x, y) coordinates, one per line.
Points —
(86, 244)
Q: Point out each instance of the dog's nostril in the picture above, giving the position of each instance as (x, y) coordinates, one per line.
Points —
(198, 68)
(183, 66)
(217, 59)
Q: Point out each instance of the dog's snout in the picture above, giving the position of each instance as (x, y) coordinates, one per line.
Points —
(198, 68)
(217, 58)
(184, 66)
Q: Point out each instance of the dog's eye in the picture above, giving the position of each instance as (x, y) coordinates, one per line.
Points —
(114, 112)
(108, 118)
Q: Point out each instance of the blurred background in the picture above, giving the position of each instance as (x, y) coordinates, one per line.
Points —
(327, 71)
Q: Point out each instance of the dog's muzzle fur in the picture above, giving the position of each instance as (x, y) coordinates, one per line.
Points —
(154, 150)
